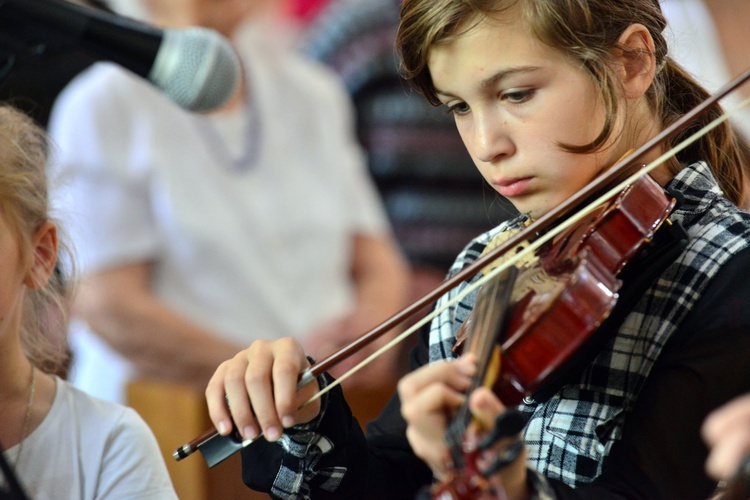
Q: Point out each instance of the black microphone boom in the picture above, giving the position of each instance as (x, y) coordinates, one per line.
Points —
(195, 67)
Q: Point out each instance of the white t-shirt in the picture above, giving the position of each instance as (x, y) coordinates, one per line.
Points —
(86, 448)
(252, 240)
(694, 43)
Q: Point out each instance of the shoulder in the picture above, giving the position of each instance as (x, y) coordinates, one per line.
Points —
(105, 101)
(714, 335)
(109, 119)
(98, 103)
(730, 288)
(704, 211)
(114, 443)
(106, 416)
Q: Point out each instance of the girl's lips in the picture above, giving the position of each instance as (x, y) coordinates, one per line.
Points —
(512, 187)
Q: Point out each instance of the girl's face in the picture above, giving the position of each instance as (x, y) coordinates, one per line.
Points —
(514, 100)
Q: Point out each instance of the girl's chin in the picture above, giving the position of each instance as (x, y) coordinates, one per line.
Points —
(533, 211)
(534, 206)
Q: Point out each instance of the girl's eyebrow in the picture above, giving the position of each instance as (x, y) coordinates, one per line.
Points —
(495, 79)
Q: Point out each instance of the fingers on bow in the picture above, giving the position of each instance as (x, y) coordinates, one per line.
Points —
(255, 392)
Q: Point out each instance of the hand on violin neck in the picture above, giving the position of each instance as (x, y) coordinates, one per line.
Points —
(429, 398)
(485, 409)
(497, 433)
(256, 391)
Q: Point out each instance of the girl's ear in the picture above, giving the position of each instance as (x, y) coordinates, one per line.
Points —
(44, 246)
(636, 60)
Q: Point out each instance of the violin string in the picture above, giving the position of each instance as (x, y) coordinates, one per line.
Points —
(532, 246)
(463, 417)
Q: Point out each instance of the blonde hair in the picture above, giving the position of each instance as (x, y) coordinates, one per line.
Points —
(586, 31)
(24, 202)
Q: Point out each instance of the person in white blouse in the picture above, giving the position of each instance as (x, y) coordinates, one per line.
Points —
(199, 233)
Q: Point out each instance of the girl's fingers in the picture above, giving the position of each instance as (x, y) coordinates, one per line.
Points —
(429, 399)
(289, 362)
(455, 374)
(256, 391)
(262, 385)
(485, 407)
(249, 394)
(217, 408)
(427, 415)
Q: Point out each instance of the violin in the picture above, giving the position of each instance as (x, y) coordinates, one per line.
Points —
(555, 306)
(562, 302)
(591, 257)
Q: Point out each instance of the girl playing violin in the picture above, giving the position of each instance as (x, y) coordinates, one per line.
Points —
(546, 95)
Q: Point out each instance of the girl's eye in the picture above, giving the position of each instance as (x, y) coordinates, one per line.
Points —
(518, 96)
(459, 108)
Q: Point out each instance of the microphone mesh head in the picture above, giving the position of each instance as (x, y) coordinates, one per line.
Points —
(196, 68)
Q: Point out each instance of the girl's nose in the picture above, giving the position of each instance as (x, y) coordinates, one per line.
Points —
(491, 140)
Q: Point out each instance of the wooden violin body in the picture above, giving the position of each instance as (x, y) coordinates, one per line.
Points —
(560, 304)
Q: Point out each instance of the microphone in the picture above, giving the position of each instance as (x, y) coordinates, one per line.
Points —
(195, 67)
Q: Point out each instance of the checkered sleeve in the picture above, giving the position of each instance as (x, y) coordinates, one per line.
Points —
(303, 468)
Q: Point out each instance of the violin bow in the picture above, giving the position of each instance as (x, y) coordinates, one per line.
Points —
(619, 170)
(216, 447)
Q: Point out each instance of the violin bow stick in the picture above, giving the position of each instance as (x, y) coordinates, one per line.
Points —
(219, 447)
(619, 170)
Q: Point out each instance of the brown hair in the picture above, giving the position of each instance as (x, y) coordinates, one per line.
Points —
(25, 204)
(587, 31)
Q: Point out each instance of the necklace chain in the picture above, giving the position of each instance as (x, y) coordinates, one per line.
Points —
(27, 416)
(251, 137)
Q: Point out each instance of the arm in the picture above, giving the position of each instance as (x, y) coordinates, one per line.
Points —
(703, 365)
(121, 307)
